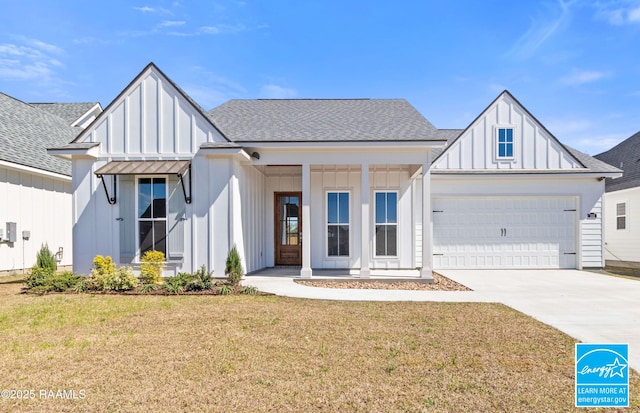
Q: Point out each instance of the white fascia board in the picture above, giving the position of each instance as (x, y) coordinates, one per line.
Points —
(82, 121)
(78, 153)
(215, 152)
(440, 174)
(31, 170)
(343, 144)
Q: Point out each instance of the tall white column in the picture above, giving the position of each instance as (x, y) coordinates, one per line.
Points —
(427, 239)
(365, 271)
(305, 272)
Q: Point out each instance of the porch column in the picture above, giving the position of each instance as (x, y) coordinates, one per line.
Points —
(365, 272)
(305, 272)
(427, 241)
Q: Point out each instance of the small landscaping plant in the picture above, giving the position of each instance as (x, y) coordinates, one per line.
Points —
(151, 267)
(201, 280)
(233, 268)
(106, 276)
(45, 282)
(176, 285)
(43, 277)
(45, 259)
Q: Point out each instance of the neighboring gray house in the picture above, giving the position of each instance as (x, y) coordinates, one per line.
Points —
(622, 205)
(35, 188)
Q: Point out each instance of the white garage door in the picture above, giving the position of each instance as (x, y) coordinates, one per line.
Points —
(504, 232)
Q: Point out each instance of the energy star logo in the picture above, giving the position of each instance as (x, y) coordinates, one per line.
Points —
(602, 375)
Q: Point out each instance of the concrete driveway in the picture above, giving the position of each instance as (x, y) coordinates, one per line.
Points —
(593, 308)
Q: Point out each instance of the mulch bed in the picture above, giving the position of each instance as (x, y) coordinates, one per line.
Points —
(440, 283)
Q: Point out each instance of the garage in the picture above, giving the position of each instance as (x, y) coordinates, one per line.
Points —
(504, 232)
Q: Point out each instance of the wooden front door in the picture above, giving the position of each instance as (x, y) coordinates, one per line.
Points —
(288, 228)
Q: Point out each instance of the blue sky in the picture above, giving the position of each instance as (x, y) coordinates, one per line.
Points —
(574, 64)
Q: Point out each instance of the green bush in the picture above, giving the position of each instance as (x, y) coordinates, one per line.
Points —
(233, 268)
(175, 285)
(249, 290)
(42, 279)
(106, 276)
(225, 290)
(151, 267)
(63, 281)
(201, 280)
(38, 276)
(45, 259)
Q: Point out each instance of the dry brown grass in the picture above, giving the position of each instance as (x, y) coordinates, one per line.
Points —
(247, 353)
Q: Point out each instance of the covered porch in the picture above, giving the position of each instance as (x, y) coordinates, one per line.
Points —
(359, 216)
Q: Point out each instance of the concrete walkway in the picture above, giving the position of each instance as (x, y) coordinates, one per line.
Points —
(592, 308)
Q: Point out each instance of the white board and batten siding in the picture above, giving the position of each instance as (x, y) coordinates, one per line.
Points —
(510, 213)
(151, 118)
(534, 147)
(40, 204)
(622, 244)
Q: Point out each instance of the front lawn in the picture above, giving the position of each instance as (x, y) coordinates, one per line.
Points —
(267, 353)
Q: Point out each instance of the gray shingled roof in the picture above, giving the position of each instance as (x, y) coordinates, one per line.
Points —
(306, 120)
(70, 112)
(26, 132)
(626, 156)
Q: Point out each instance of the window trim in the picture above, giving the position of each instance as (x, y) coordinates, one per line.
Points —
(396, 224)
(496, 142)
(326, 224)
(625, 216)
(138, 256)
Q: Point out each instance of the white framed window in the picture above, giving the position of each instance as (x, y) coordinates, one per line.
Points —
(386, 224)
(621, 215)
(338, 224)
(505, 145)
(151, 215)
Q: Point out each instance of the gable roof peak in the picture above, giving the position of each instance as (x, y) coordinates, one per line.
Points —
(150, 67)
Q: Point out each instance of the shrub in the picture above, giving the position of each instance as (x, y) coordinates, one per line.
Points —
(200, 280)
(148, 288)
(106, 276)
(151, 267)
(233, 268)
(63, 281)
(224, 290)
(38, 276)
(43, 280)
(124, 279)
(249, 290)
(103, 265)
(45, 259)
(175, 285)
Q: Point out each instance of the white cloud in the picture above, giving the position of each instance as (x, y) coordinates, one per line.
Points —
(594, 145)
(562, 127)
(542, 27)
(212, 89)
(277, 92)
(34, 62)
(145, 9)
(619, 12)
(172, 23)
(580, 77)
(222, 29)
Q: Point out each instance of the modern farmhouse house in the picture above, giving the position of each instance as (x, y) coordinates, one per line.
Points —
(364, 185)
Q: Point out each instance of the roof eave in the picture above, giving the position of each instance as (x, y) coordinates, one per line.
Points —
(76, 151)
(342, 144)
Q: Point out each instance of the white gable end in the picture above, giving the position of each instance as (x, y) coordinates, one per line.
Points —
(151, 117)
(531, 146)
